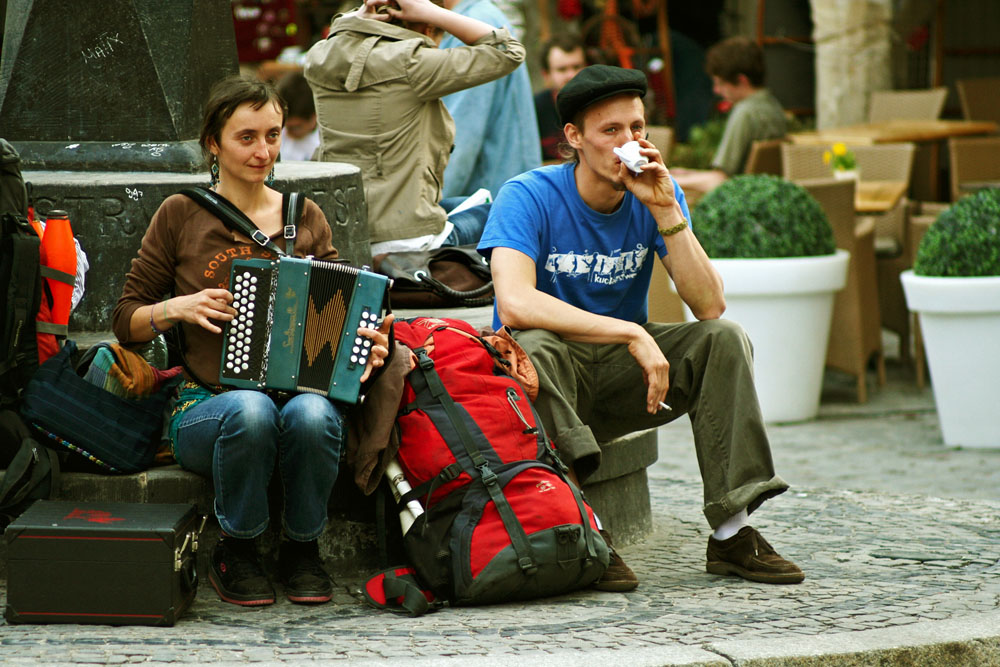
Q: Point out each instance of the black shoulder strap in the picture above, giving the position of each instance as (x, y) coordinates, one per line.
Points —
(34, 473)
(292, 205)
(231, 216)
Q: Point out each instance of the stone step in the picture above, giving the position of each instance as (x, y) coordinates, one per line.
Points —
(618, 492)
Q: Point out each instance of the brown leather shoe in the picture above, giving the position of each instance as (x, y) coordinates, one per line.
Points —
(619, 577)
(748, 555)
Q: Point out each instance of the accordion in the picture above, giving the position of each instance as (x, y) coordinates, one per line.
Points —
(296, 326)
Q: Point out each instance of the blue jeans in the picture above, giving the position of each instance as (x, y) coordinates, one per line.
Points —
(235, 438)
(469, 224)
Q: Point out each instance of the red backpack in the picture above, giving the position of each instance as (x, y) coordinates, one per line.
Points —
(500, 519)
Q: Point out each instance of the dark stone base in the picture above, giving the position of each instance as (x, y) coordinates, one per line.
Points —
(173, 156)
(110, 212)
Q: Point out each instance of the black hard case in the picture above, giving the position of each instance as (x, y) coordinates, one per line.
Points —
(111, 563)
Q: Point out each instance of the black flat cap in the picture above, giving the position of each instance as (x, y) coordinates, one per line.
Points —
(595, 83)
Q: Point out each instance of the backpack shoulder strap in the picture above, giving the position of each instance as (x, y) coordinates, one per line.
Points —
(424, 379)
(231, 216)
(24, 287)
(33, 474)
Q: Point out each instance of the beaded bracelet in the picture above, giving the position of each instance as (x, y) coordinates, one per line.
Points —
(670, 231)
(152, 324)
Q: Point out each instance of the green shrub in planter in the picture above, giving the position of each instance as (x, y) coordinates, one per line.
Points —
(965, 239)
(758, 216)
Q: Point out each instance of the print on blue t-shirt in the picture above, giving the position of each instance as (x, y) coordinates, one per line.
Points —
(597, 262)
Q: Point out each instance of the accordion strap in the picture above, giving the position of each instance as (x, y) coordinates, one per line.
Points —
(233, 218)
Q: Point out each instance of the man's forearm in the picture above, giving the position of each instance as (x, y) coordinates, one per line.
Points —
(532, 309)
(697, 281)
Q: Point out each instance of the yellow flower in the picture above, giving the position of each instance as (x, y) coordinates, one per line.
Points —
(839, 158)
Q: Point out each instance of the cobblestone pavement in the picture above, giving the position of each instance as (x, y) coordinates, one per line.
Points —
(899, 538)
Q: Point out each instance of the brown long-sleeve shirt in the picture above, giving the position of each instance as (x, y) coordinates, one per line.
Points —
(187, 249)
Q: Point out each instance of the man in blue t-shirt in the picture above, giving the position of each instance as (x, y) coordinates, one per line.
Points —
(572, 249)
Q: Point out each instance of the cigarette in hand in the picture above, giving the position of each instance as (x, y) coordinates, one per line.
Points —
(666, 407)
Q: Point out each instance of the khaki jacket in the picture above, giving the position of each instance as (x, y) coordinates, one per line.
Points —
(378, 88)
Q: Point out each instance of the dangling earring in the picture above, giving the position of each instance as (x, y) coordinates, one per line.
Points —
(214, 172)
(270, 178)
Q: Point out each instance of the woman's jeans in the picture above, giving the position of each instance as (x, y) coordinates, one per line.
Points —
(235, 438)
(469, 224)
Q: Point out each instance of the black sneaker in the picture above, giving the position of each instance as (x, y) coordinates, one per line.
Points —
(236, 574)
(302, 574)
(619, 577)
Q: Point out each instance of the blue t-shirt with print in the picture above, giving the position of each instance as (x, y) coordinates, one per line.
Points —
(598, 262)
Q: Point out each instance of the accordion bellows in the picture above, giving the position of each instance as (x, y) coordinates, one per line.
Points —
(296, 326)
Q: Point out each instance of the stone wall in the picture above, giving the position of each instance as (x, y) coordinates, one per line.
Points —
(110, 212)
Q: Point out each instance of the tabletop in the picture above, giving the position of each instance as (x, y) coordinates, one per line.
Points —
(878, 196)
(893, 131)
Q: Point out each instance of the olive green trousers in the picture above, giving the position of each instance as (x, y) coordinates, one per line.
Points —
(592, 393)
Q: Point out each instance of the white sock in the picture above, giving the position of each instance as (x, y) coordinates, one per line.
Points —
(731, 526)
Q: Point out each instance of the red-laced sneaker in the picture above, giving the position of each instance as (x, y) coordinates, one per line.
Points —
(747, 554)
(302, 574)
(238, 578)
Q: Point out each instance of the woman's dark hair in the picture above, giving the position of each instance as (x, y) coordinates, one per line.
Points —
(226, 96)
(734, 56)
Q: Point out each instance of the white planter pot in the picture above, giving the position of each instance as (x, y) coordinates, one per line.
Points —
(785, 305)
(960, 322)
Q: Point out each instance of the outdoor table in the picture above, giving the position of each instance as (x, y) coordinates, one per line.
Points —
(930, 132)
(878, 196)
(895, 131)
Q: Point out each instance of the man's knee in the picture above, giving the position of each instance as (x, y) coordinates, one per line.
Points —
(726, 336)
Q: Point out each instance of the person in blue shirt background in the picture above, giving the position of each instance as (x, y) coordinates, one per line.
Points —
(496, 133)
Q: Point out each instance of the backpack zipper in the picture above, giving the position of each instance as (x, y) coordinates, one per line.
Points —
(513, 398)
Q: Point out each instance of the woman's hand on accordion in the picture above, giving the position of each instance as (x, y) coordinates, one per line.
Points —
(203, 307)
(380, 344)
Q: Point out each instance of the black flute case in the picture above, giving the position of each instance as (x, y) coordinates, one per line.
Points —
(112, 563)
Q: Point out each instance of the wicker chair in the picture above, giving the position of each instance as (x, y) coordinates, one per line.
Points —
(664, 303)
(855, 331)
(914, 105)
(980, 98)
(877, 162)
(662, 137)
(764, 157)
(975, 163)
(800, 162)
(906, 104)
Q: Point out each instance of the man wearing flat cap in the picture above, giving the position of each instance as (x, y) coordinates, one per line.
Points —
(571, 249)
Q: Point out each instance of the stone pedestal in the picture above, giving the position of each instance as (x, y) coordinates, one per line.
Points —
(619, 490)
(81, 81)
(110, 212)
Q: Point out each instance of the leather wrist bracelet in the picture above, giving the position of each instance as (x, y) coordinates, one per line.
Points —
(670, 231)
